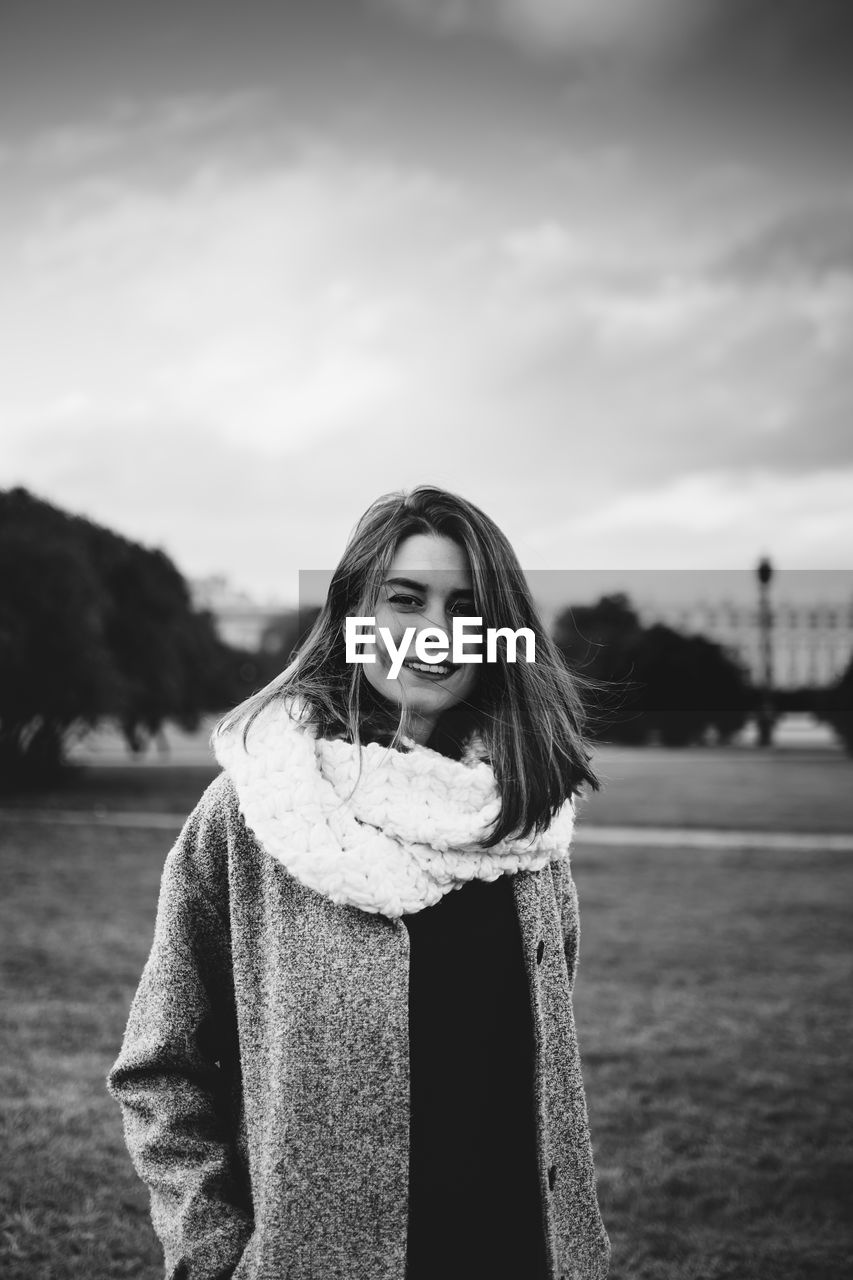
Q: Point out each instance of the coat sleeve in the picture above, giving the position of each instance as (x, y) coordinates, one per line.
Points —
(168, 1078)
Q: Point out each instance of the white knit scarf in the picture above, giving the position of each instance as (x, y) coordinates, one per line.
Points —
(402, 839)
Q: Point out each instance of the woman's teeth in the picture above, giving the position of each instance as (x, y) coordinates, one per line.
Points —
(440, 670)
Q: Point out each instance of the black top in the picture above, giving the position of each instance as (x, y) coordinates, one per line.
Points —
(474, 1196)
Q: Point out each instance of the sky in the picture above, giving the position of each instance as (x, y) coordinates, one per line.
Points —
(588, 265)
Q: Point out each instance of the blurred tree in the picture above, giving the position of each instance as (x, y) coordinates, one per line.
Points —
(652, 682)
(601, 641)
(690, 685)
(835, 707)
(92, 626)
(55, 666)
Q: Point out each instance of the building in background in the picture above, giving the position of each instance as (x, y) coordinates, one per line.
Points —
(812, 643)
(240, 620)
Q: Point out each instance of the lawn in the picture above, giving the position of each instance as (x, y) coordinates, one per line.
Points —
(743, 789)
(698, 787)
(714, 1018)
(713, 1005)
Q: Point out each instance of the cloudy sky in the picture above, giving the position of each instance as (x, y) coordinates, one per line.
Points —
(587, 264)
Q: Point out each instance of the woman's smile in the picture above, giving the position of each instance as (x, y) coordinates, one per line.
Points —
(438, 670)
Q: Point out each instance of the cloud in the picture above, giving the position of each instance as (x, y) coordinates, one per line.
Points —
(629, 329)
(746, 63)
(785, 40)
(188, 346)
(561, 26)
(241, 303)
(126, 128)
(813, 241)
(232, 297)
(709, 520)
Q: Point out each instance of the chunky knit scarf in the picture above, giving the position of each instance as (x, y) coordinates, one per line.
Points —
(396, 842)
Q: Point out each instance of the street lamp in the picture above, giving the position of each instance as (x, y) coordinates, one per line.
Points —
(765, 715)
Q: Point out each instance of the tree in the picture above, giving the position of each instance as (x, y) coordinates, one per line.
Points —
(836, 707)
(601, 642)
(93, 625)
(652, 681)
(690, 685)
(56, 669)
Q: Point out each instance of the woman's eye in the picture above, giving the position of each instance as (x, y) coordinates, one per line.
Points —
(462, 607)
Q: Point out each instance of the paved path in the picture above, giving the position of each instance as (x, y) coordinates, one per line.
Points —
(711, 838)
(95, 818)
(636, 837)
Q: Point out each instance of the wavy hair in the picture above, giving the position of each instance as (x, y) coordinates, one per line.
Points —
(529, 715)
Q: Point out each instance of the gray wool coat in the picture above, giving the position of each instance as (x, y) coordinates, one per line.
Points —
(264, 1073)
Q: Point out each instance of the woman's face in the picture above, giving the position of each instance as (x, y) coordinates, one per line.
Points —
(427, 584)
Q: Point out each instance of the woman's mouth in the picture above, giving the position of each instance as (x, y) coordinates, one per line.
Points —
(437, 670)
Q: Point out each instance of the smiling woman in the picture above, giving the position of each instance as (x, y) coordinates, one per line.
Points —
(352, 1052)
(427, 579)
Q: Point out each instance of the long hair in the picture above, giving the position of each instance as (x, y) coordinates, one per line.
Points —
(529, 715)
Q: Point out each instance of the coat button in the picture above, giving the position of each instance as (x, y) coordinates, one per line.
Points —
(552, 1176)
(540, 951)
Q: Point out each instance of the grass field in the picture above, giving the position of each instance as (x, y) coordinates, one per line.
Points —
(740, 789)
(713, 1007)
(698, 787)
